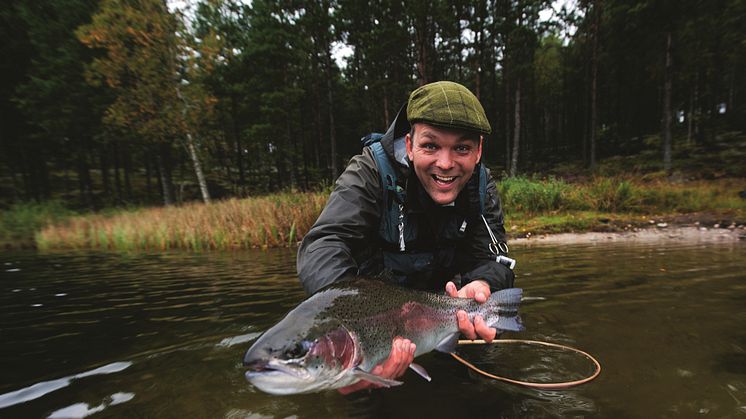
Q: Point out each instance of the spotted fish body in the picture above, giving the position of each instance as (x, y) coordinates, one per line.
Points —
(334, 338)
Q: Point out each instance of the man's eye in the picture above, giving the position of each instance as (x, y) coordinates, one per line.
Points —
(463, 149)
(429, 146)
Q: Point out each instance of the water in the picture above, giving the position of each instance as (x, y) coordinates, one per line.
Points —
(163, 336)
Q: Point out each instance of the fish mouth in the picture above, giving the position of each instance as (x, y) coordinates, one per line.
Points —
(279, 377)
(275, 367)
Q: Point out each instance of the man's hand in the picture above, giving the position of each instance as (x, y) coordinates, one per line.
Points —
(479, 291)
(402, 354)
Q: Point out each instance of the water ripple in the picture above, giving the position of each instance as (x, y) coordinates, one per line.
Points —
(81, 410)
(45, 387)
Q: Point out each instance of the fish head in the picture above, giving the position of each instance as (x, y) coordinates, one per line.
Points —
(309, 350)
(281, 366)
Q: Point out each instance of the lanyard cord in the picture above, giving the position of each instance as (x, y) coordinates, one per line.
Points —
(549, 386)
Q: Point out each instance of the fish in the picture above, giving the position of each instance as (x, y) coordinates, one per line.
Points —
(337, 336)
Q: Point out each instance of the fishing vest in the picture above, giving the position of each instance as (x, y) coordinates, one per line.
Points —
(396, 230)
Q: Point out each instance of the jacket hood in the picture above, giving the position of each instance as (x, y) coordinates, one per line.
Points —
(393, 141)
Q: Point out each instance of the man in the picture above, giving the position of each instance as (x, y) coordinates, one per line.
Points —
(413, 209)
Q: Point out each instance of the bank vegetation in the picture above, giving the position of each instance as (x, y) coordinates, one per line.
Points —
(533, 205)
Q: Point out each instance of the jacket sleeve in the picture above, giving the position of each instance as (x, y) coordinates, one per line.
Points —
(350, 216)
(477, 261)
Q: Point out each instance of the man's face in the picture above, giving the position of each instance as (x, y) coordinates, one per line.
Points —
(443, 160)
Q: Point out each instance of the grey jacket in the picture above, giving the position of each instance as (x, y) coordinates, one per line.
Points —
(345, 236)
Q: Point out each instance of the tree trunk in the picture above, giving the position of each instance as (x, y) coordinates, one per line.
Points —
(330, 98)
(293, 155)
(117, 177)
(45, 191)
(386, 118)
(478, 46)
(193, 151)
(237, 141)
(127, 171)
(732, 90)
(198, 168)
(506, 116)
(148, 172)
(594, 85)
(690, 116)
(104, 165)
(423, 38)
(84, 178)
(164, 171)
(667, 112)
(319, 132)
(516, 129)
(547, 122)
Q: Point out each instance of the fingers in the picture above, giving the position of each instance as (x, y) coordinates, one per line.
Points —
(480, 297)
(402, 354)
(477, 329)
(481, 290)
(451, 289)
(465, 326)
(478, 290)
(485, 332)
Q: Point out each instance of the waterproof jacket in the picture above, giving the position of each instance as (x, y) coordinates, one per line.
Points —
(443, 243)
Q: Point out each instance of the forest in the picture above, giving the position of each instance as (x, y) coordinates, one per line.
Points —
(110, 103)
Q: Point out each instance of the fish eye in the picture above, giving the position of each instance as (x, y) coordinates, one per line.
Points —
(298, 350)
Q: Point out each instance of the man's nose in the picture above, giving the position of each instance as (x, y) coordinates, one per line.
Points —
(445, 161)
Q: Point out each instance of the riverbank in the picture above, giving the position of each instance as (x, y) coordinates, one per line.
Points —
(653, 234)
(534, 207)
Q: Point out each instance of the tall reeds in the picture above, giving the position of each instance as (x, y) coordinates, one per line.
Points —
(530, 204)
(618, 194)
(272, 221)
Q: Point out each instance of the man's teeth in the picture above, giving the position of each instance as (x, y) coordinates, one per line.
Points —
(445, 178)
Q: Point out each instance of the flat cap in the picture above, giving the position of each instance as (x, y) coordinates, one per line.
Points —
(448, 105)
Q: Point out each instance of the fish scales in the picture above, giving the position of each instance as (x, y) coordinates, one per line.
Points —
(339, 334)
(379, 314)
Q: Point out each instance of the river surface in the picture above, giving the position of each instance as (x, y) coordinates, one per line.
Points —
(162, 335)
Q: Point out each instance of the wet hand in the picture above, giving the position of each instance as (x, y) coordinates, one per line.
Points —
(402, 354)
(479, 291)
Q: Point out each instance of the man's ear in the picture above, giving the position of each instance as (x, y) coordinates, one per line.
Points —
(408, 142)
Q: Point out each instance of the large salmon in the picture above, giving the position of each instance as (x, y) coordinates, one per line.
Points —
(334, 338)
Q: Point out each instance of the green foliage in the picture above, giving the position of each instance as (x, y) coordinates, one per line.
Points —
(19, 222)
(610, 195)
(533, 195)
(98, 96)
(617, 195)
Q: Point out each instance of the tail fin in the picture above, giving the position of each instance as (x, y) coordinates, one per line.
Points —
(507, 302)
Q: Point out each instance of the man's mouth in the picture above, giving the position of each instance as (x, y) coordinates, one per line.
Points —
(444, 180)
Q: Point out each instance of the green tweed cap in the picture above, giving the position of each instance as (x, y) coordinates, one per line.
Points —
(448, 105)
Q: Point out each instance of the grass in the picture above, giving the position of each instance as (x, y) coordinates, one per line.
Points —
(618, 194)
(19, 222)
(552, 205)
(271, 221)
(532, 205)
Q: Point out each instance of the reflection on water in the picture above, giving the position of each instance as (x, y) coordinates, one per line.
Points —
(163, 335)
(40, 389)
(81, 410)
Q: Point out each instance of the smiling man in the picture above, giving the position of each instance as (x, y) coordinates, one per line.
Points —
(413, 209)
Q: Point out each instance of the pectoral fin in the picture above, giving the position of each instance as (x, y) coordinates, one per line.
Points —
(385, 382)
(448, 344)
(419, 369)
